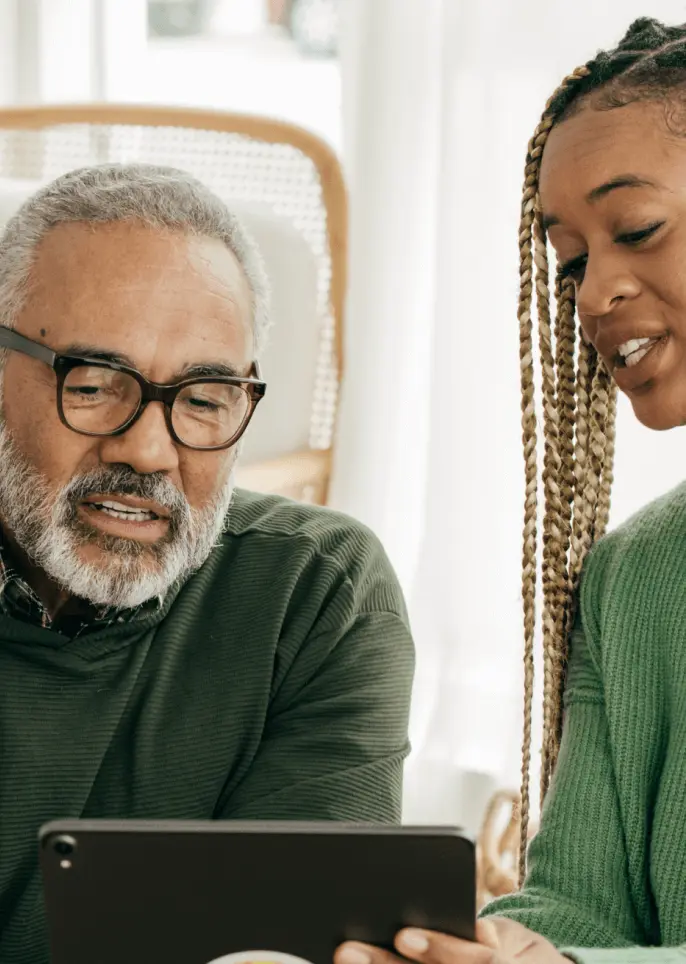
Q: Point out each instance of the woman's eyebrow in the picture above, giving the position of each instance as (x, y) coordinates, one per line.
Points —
(602, 190)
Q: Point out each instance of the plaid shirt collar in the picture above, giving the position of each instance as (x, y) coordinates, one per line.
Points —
(19, 601)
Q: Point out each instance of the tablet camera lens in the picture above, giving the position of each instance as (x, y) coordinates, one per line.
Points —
(64, 846)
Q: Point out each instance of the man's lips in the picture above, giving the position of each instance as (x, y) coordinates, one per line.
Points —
(137, 524)
(126, 503)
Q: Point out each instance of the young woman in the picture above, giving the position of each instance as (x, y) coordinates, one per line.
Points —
(606, 185)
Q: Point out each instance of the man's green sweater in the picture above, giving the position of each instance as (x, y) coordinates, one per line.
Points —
(607, 871)
(274, 685)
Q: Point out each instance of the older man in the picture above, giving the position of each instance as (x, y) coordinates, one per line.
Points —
(169, 647)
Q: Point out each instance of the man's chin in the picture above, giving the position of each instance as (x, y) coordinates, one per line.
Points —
(111, 553)
(99, 546)
(109, 578)
(109, 571)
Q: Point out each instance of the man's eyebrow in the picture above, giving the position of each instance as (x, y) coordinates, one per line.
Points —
(82, 350)
(602, 190)
(210, 370)
(198, 370)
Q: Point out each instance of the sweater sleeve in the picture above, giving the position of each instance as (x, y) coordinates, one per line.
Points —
(336, 752)
(577, 891)
(628, 955)
(336, 733)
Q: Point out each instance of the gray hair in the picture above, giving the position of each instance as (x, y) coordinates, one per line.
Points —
(159, 197)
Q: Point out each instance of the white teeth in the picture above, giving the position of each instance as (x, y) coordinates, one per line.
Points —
(129, 516)
(125, 513)
(636, 356)
(629, 347)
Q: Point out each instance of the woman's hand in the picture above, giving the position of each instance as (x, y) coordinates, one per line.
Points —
(498, 941)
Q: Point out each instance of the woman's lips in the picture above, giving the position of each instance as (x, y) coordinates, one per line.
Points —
(630, 378)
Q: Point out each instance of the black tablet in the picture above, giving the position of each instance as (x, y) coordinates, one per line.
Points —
(246, 893)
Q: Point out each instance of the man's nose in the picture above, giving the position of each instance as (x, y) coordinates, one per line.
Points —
(147, 446)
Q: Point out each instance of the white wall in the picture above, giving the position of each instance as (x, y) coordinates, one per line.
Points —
(48, 51)
(122, 49)
(8, 53)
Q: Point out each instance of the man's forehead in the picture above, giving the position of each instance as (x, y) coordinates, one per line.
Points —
(134, 250)
(144, 293)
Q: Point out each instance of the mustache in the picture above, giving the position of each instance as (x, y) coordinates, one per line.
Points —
(122, 480)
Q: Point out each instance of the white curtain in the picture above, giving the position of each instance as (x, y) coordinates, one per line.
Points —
(440, 98)
(50, 50)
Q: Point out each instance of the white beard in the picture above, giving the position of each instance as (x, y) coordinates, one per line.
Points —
(46, 526)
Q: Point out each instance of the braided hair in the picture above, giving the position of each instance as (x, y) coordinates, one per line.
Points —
(577, 392)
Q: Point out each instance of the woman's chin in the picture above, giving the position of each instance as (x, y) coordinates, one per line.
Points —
(660, 410)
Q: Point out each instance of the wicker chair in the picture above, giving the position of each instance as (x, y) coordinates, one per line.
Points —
(287, 187)
(498, 847)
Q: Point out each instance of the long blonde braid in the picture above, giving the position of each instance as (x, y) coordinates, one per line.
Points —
(531, 234)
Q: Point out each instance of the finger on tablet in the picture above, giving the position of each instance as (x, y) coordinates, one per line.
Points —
(428, 947)
(354, 953)
(487, 933)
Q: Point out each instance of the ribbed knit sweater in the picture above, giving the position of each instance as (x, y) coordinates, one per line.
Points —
(607, 870)
(274, 685)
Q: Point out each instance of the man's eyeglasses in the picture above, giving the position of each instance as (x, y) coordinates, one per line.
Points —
(103, 398)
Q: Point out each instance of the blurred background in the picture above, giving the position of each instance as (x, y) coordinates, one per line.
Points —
(426, 107)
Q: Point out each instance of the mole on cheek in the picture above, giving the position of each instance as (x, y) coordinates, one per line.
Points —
(43, 332)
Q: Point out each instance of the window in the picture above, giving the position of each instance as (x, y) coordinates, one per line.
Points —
(269, 57)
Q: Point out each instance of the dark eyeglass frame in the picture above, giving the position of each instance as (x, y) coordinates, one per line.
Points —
(62, 365)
